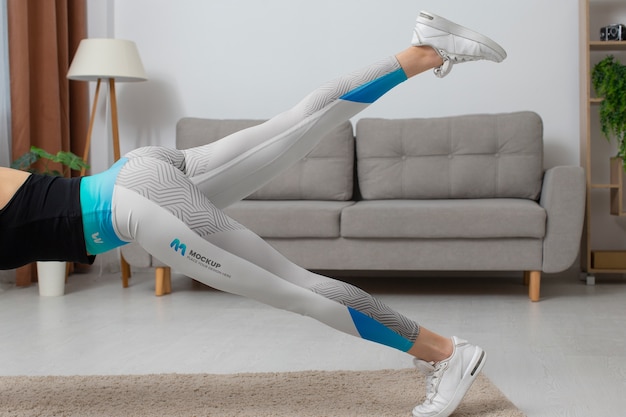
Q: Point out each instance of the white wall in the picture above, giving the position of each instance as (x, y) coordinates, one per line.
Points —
(252, 59)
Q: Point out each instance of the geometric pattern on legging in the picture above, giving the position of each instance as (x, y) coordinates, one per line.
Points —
(166, 186)
(198, 158)
(332, 90)
(174, 157)
(357, 299)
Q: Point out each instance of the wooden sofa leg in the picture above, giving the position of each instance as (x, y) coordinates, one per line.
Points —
(162, 281)
(526, 278)
(125, 266)
(167, 285)
(534, 284)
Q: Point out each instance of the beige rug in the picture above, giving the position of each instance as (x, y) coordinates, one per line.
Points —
(292, 394)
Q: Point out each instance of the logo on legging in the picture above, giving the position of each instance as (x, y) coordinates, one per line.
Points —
(198, 258)
(178, 246)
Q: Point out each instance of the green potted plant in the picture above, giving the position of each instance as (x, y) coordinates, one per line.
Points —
(608, 78)
(51, 275)
(68, 160)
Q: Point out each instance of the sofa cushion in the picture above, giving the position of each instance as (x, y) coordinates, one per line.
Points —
(326, 173)
(290, 219)
(474, 156)
(446, 219)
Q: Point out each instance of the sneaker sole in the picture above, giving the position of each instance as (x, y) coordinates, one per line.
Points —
(476, 365)
(438, 22)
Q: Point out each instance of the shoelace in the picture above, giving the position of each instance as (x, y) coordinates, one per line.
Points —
(433, 379)
(445, 68)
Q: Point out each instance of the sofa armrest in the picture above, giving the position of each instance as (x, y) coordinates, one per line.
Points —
(563, 198)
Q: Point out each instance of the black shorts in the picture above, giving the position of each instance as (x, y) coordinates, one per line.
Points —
(43, 222)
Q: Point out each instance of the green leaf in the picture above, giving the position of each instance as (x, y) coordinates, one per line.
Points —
(42, 154)
(24, 162)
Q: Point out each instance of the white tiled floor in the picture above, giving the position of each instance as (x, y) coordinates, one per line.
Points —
(563, 356)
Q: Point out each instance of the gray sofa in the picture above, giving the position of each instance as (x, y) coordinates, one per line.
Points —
(462, 193)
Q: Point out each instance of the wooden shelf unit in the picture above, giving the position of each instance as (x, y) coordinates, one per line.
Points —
(592, 260)
(607, 45)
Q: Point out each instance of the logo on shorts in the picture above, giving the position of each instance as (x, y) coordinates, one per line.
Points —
(178, 246)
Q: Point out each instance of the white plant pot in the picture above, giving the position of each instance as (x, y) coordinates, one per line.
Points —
(51, 278)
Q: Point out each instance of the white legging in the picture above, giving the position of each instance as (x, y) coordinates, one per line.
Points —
(169, 202)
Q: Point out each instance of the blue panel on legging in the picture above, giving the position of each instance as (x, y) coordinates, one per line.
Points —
(373, 90)
(96, 195)
(372, 330)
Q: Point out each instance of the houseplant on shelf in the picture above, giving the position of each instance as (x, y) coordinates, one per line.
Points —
(608, 78)
(50, 274)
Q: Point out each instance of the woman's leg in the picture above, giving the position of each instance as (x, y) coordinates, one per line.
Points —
(157, 206)
(232, 168)
(199, 240)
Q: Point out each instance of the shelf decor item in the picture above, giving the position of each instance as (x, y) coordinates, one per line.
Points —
(51, 275)
(608, 78)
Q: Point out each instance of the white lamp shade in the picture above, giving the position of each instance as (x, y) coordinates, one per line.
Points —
(106, 58)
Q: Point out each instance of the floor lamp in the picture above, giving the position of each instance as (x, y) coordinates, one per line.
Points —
(110, 60)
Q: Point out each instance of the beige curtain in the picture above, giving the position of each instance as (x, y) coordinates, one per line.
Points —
(46, 109)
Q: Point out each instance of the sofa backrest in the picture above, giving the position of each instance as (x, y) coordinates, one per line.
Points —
(472, 156)
(326, 173)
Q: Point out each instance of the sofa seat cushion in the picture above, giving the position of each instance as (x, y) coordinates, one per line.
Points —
(290, 219)
(473, 156)
(443, 219)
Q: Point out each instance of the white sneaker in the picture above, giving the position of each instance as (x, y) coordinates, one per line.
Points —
(454, 43)
(448, 380)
